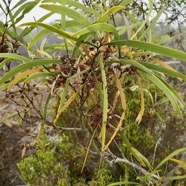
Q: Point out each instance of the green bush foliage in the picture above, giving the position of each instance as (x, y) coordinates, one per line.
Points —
(60, 165)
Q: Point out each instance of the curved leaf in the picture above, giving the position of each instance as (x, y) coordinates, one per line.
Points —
(163, 64)
(22, 75)
(122, 29)
(153, 22)
(67, 11)
(65, 106)
(125, 3)
(175, 93)
(56, 47)
(164, 70)
(141, 113)
(39, 74)
(104, 18)
(76, 5)
(25, 66)
(123, 103)
(124, 183)
(37, 37)
(82, 7)
(179, 162)
(7, 116)
(165, 51)
(172, 95)
(104, 103)
(174, 178)
(146, 19)
(51, 28)
(169, 157)
(97, 27)
(166, 89)
(10, 33)
(27, 30)
(15, 57)
(25, 8)
(131, 149)
(2, 63)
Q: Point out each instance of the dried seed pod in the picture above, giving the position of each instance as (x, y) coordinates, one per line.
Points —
(12, 96)
(62, 58)
(82, 67)
(94, 40)
(73, 60)
(50, 81)
(54, 66)
(7, 95)
(35, 92)
(91, 48)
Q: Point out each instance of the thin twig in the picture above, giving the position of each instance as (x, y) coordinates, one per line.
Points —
(124, 160)
(69, 129)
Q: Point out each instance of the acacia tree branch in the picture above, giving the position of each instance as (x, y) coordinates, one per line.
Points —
(116, 159)
(142, 170)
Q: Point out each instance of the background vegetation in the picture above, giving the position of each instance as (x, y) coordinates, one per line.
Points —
(99, 99)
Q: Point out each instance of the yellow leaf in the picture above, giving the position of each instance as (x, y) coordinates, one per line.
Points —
(140, 115)
(22, 75)
(123, 103)
(183, 163)
(106, 38)
(122, 95)
(40, 130)
(2, 101)
(134, 33)
(126, 51)
(23, 152)
(116, 131)
(88, 149)
(114, 102)
(163, 64)
(69, 101)
(104, 102)
(84, 46)
(106, 15)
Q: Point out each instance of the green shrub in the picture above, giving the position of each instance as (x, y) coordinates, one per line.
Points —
(60, 166)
